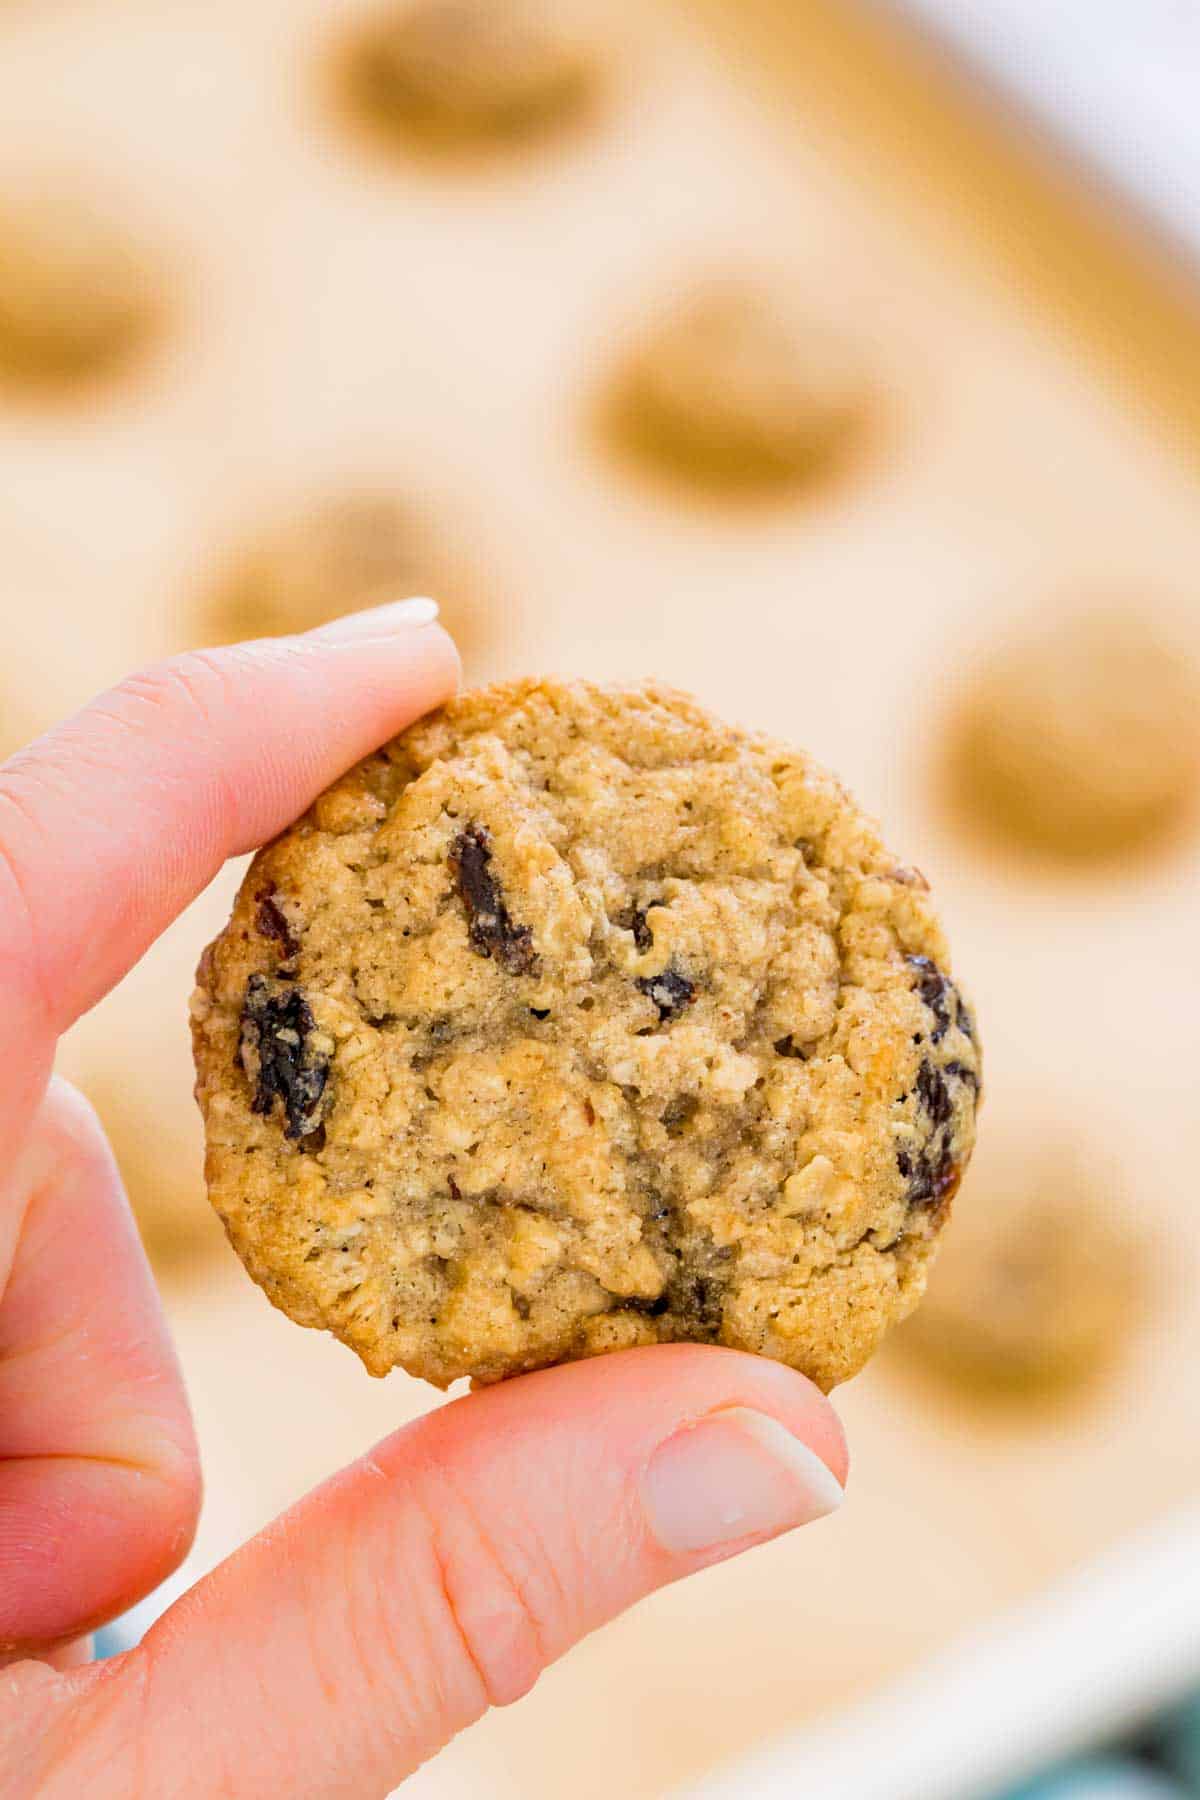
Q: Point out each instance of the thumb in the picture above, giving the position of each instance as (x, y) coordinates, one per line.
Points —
(447, 1569)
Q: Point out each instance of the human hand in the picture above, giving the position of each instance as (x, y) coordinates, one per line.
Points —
(443, 1571)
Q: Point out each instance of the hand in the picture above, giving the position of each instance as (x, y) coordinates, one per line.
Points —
(441, 1573)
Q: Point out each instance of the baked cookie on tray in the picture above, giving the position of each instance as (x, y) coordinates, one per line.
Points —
(461, 74)
(79, 296)
(1047, 1276)
(332, 551)
(1080, 737)
(574, 1019)
(732, 390)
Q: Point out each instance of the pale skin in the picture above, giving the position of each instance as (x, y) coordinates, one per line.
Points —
(442, 1572)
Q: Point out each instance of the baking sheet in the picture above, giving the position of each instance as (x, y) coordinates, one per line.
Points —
(1115, 79)
(1092, 1657)
(340, 313)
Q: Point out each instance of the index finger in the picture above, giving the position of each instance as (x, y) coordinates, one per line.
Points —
(115, 820)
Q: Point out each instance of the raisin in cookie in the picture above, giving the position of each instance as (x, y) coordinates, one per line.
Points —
(575, 1019)
(1082, 736)
(458, 73)
(731, 391)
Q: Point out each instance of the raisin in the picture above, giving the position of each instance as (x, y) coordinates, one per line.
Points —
(934, 1094)
(698, 1301)
(935, 990)
(695, 1302)
(489, 923)
(431, 1035)
(677, 1112)
(272, 923)
(653, 1309)
(934, 1179)
(634, 919)
(920, 1174)
(932, 1175)
(670, 992)
(933, 1172)
(277, 1025)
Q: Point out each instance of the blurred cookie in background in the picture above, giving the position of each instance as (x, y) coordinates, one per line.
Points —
(1043, 1275)
(732, 391)
(338, 553)
(1082, 736)
(474, 74)
(81, 297)
(161, 1163)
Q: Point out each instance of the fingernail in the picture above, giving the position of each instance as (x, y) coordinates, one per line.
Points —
(379, 621)
(734, 1475)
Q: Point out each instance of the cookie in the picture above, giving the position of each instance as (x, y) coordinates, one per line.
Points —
(340, 552)
(463, 73)
(1042, 1280)
(576, 1019)
(730, 390)
(1082, 736)
(78, 298)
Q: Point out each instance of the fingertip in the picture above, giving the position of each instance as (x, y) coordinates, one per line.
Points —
(375, 622)
(633, 1400)
(412, 625)
(726, 1449)
(734, 1478)
(446, 659)
(411, 655)
(124, 812)
(61, 1581)
(78, 1654)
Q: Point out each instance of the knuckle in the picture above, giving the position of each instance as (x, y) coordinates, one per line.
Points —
(489, 1605)
(187, 698)
(457, 1605)
(69, 1735)
(196, 683)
